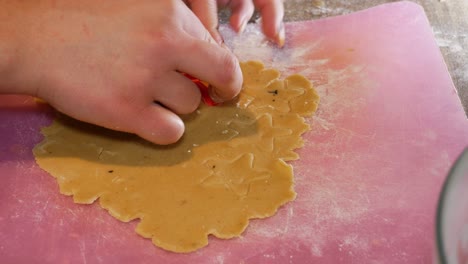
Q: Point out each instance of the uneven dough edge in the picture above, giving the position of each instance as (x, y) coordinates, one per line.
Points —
(265, 75)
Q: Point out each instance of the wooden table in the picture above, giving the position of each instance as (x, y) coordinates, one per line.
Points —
(449, 19)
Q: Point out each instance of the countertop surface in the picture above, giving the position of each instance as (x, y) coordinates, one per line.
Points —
(448, 18)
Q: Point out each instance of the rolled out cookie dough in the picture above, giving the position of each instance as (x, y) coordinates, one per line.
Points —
(229, 167)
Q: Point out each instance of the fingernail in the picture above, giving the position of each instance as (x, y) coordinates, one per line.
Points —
(217, 37)
(220, 40)
(281, 37)
(213, 95)
(243, 25)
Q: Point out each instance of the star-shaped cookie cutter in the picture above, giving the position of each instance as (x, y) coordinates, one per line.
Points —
(203, 87)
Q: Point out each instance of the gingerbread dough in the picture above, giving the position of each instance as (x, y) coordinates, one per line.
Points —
(229, 167)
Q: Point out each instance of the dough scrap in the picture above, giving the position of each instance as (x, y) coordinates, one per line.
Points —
(229, 167)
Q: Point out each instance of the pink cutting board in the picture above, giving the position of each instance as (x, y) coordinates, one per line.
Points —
(389, 126)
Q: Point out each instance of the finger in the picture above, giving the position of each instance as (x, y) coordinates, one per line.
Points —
(193, 25)
(242, 11)
(142, 117)
(207, 13)
(177, 93)
(223, 3)
(213, 64)
(157, 124)
(137, 115)
(272, 13)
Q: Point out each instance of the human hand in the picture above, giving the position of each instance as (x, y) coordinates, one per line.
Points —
(271, 11)
(107, 62)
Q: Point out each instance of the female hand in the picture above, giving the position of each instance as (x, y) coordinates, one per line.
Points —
(271, 11)
(108, 62)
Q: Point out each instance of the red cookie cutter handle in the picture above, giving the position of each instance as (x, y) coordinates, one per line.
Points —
(203, 90)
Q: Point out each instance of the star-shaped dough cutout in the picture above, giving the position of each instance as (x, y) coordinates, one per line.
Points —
(230, 174)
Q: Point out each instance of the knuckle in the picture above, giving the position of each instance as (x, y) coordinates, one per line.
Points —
(191, 105)
(229, 77)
